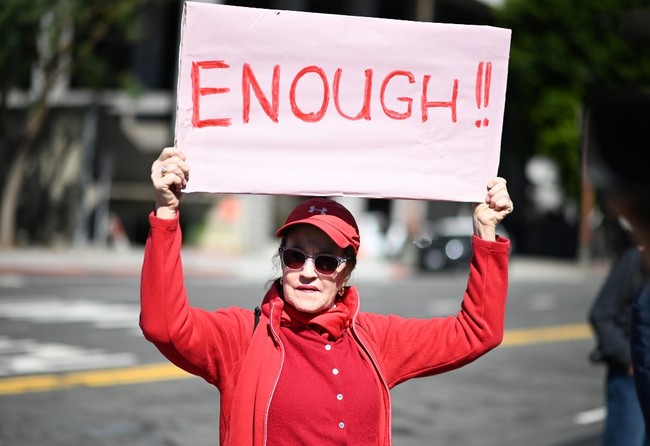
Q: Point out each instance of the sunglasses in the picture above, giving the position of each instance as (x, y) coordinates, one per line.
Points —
(324, 263)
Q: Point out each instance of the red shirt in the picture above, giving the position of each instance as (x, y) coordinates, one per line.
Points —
(326, 393)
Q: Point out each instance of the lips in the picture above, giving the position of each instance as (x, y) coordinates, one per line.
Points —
(307, 289)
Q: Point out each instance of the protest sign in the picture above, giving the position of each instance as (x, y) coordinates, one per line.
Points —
(295, 103)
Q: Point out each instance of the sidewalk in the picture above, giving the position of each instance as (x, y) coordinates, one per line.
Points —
(259, 267)
(196, 263)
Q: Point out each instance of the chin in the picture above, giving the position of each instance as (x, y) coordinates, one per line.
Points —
(306, 308)
(308, 305)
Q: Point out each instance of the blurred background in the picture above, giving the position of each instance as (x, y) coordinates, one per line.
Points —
(87, 102)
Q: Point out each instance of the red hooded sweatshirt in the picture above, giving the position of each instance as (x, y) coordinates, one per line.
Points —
(244, 363)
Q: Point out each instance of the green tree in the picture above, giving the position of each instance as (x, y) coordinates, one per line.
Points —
(52, 39)
(561, 50)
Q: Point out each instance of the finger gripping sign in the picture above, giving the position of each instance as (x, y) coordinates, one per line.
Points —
(295, 103)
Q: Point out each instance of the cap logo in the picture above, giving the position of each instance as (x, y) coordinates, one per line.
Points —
(315, 209)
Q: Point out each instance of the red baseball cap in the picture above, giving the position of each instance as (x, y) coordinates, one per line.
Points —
(329, 216)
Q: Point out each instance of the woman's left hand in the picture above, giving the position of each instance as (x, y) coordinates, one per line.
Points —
(493, 210)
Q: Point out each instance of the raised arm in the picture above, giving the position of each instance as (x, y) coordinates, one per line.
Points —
(416, 347)
(194, 339)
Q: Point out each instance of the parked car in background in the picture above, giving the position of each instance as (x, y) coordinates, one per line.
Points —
(447, 243)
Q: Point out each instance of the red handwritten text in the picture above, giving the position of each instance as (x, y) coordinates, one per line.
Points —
(271, 107)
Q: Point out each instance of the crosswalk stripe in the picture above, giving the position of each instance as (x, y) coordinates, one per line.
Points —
(53, 310)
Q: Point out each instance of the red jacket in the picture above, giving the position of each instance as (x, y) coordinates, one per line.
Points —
(220, 346)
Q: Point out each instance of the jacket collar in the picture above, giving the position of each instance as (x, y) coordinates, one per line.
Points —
(330, 323)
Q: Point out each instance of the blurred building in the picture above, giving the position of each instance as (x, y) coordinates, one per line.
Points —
(119, 135)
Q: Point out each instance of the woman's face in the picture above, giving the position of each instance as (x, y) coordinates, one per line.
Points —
(305, 288)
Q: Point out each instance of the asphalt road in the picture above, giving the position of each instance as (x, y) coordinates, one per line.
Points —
(75, 370)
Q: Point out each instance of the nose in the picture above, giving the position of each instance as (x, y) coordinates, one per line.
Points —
(309, 268)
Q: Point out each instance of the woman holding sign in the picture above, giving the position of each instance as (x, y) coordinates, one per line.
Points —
(308, 367)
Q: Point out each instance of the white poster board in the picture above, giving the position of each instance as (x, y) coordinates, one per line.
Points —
(295, 103)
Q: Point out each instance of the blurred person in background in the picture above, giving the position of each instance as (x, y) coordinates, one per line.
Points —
(309, 367)
(610, 318)
(641, 348)
(636, 209)
(617, 143)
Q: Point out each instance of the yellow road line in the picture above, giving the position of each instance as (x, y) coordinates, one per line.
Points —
(559, 333)
(148, 373)
(95, 378)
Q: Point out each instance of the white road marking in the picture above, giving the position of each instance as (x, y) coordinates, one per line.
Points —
(590, 416)
(27, 356)
(53, 310)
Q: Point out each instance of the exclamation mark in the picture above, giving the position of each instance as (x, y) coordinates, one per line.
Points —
(483, 90)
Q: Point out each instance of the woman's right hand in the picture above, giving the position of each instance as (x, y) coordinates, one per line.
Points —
(169, 175)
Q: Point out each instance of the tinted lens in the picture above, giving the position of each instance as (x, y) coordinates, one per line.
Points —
(293, 259)
(326, 264)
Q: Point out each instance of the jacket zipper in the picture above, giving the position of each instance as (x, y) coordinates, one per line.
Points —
(378, 370)
(277, 378)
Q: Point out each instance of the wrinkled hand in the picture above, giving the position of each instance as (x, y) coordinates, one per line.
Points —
(493, 210)
(169, 175)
